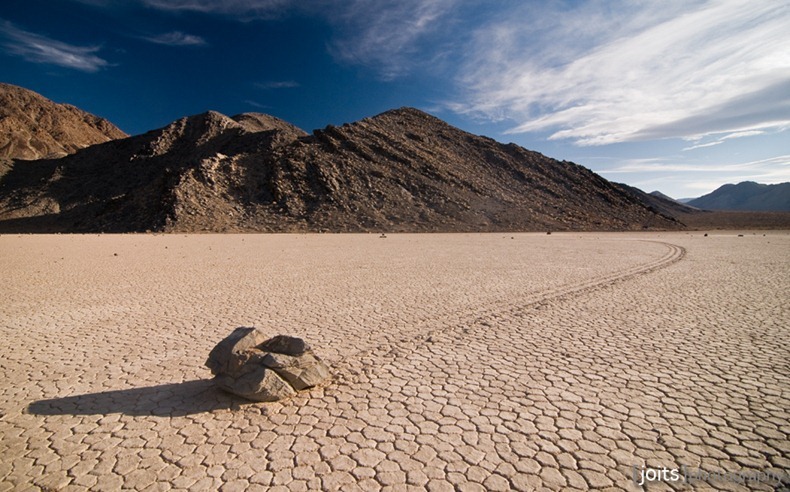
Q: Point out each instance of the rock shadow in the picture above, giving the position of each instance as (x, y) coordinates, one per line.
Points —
(165, 400)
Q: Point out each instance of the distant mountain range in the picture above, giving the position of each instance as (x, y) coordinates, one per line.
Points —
(747, 196)
(403, 170)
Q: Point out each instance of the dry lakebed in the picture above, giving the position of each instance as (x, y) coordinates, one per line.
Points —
(501, 361)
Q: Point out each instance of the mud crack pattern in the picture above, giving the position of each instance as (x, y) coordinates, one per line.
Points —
(464, 362)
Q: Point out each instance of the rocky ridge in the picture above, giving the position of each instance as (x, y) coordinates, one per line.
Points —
(403, 170)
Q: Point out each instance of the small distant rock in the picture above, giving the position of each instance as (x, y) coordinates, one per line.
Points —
(249, 365)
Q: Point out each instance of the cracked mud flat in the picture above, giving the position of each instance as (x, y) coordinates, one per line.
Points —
(462, 361)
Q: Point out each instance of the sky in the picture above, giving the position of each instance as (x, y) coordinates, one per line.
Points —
(680, 96)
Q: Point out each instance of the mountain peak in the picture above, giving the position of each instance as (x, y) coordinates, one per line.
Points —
(210, 119)
(191, 132)
(407, 111)
(407, 114)
(662, 195)
(33, 127)
(261, 122)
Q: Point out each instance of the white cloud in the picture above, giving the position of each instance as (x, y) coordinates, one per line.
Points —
(613, 72)
(176, 38)
(41, 49)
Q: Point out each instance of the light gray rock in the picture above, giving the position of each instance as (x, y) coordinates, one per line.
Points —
(260, 384)
(228, 356)
(247, 364)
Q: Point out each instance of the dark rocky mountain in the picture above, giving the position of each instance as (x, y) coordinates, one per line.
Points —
(402, 170)
(33, 127)
(748, 196)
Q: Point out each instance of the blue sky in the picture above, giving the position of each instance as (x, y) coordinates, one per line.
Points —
(680, 96)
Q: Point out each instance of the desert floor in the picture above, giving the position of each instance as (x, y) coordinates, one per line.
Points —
(461, 361)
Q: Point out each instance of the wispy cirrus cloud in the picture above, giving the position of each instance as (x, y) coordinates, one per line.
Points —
(664, 165)
(608, 72)
(37, 48)
(277, 84)
(256, 104)
(721, 140)
(704, 145)
(247, 9)
(176, 38)
(391, 35)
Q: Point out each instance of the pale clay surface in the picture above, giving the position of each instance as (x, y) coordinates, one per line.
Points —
(464, 361)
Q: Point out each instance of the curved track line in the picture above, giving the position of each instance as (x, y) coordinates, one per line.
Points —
(481, 317)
